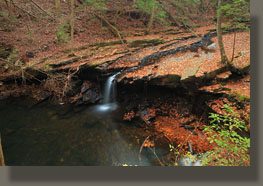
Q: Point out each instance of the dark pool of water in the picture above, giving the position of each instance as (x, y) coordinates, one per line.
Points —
(49, 134)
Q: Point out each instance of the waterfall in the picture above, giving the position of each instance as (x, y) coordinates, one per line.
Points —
(110, 90)
(109, 97)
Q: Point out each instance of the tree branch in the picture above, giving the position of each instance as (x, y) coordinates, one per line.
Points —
(42, 9)
(115, 30)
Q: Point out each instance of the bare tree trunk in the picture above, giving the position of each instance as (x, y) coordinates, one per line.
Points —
(72, 27)
(149, 27)
(57, 7)
(224, 58)
(8, 4)
(234, 45)
(112, 28)
(2, 160)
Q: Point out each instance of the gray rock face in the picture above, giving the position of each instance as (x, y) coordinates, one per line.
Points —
(212, 47)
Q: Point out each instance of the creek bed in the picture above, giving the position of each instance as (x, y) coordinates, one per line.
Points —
(50, 134)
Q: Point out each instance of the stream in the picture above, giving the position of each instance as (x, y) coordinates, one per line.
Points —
(47, 135)
(86, 135)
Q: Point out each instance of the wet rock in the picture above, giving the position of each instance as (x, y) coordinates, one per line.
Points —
(155, 57)
(89, 94)
(162, 146)
(144, 43)
(147, 115)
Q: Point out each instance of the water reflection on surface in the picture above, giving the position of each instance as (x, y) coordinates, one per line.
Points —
(61, 135)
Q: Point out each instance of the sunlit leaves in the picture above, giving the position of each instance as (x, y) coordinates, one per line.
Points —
(231, 145)
(236, 13)
(148, 5)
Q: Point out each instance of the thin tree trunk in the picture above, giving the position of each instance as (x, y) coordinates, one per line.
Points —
(234, 45)
(149, 27)
(224, 58)
(57, 7)
(113, 28)
(9, 4)
(2, 160)
(72, 26)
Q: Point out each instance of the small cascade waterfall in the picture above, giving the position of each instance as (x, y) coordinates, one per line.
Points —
(109, 97)
(110, 90)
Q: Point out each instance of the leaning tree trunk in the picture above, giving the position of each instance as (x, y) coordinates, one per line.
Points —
(224, 58)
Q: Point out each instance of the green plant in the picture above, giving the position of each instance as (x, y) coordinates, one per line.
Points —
(231, 148)
(152, 8)
(13, 56)
(236, 13)
(97, 4)
(62, 33)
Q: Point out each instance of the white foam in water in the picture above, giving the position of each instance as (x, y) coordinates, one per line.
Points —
(109, 103)
(106, 107)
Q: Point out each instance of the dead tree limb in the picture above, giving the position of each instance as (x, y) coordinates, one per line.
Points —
(139, 156)
(42, 9)
(113, 28)
(18, 7)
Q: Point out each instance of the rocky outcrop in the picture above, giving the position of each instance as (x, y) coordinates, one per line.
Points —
(89, 94)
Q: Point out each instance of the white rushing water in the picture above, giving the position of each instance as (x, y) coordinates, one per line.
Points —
(109, 98)
(110, 92)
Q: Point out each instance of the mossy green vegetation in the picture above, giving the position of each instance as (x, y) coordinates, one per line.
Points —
(227, 133)
(62, 33)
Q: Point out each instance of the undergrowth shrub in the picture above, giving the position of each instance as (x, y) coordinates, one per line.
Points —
(62, 33)
(226, 131)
